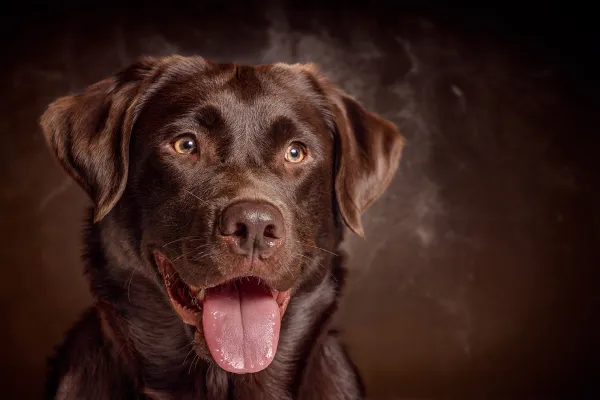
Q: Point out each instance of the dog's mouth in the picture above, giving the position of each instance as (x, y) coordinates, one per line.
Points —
(240, 318)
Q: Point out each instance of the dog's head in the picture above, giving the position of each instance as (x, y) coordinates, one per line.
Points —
(232, 178)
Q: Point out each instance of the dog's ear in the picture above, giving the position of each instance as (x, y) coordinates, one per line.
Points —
(368, 151)
(89, 132)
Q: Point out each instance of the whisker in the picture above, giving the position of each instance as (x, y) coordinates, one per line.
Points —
(202, 255)
(191, 238)
(190, 251)
(191, 364)
(181, 255)
(308, 258)
(325, 250)
(128, 283)
(318, 263)
(334, 278)
(201, 200)
(197, 361)
(188, 354)
(287, 268)
(302, 255)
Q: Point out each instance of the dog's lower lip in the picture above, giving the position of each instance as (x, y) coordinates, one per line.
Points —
(188, 299)
(184, 298)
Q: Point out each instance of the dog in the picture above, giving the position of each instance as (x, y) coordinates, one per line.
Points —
(221, 193)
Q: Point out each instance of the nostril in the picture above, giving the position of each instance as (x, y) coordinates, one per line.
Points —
(270, 232)
(241, 230)
(252, 228)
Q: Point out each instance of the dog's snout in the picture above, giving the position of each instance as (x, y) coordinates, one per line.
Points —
(253, 228)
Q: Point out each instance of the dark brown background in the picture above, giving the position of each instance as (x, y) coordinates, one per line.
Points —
(478, 277)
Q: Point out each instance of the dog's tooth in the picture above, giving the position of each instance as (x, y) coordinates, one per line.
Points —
(201, 295)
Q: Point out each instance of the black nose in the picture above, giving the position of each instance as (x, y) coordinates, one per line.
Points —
(253, 228)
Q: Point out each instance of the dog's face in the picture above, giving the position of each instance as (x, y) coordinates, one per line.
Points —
(233, 178)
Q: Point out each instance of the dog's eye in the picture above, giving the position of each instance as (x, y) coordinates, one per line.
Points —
(295, 153)
(185, 145)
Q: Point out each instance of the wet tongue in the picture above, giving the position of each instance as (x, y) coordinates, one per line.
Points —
(241, 326)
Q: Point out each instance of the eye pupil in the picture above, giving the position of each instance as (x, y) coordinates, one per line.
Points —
(295, 153)
(185, 145)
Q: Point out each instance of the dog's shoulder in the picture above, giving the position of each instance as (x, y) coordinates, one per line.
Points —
(84, 365)
(329, 373)
(78, 340)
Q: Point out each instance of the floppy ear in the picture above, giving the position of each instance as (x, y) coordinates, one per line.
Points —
(90, 132)
(368, 152)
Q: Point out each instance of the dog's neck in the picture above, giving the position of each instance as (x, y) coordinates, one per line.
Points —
(150, 338)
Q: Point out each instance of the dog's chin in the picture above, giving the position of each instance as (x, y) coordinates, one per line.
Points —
(237, 321)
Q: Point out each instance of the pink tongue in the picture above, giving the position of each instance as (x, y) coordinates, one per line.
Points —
(241, 326)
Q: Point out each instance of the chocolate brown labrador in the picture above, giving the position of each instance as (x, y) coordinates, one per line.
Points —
(220, 197)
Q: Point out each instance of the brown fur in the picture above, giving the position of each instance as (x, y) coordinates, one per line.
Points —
(114, 140)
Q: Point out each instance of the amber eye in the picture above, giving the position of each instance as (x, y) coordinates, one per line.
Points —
(295, 153)
(185, 145)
